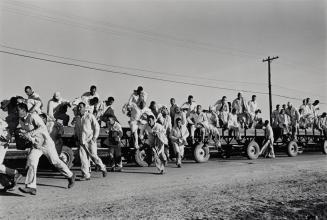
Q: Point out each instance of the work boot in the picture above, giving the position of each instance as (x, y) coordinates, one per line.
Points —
(104, 173)
(179, 165)
(84, 178)
(118, 169)
(28, 190)
(71, 181)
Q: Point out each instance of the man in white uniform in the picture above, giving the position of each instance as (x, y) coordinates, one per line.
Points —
(87, 130)
(34, 129)
(178, 137)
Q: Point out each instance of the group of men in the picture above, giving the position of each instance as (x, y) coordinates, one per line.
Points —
(32, 128)
(289, 119)
(155, 126)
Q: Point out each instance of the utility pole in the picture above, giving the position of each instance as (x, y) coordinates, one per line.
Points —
(269, 59)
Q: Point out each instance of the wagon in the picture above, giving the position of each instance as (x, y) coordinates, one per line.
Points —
(249, 146)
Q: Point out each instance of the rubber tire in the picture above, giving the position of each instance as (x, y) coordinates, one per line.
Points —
(292, 149)
(201, 153)
(139, 158)
(253, 150)
(324, 147)
(67, 156)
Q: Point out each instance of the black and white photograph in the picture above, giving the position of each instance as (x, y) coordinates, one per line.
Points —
(163, 109)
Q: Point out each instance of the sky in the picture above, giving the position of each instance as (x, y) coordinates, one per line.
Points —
(171, 48)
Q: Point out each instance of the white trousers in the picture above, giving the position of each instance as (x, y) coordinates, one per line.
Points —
(33, 158)
(88, 152)
(179, 151)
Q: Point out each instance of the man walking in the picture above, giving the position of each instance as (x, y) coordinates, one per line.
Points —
(87, 130)
(269, 141)
(34, 129)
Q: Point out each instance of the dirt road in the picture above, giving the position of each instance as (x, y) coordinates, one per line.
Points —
(284, 188)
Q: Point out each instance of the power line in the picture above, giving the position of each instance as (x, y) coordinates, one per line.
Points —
(147, 32)
(129, 68)
(147, 38)
(141, 76)
(151, 71)
(153, 35)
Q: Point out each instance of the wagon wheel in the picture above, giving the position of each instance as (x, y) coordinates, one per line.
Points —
(67, 156)
(324, 147)
(201, 153)
(253, 150)
(292, 149)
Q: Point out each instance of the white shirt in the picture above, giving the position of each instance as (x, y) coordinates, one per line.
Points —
(232, 120)
(179, 133)
(252, 107)
(165, 122)
(86, 128)
(190, 107)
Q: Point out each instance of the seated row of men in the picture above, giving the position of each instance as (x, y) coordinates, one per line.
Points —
(290, 119)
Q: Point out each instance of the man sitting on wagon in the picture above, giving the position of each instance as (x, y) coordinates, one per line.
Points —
(294, 115)
(113, 141)
(189, 106)
(197, 120)
(283, 122)
(222, 109)
(213, 123)
(57, 108)
(274, 116)
(233, 124)
(240, 105)
(179, 113)
(252, 110)
(178, 137)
